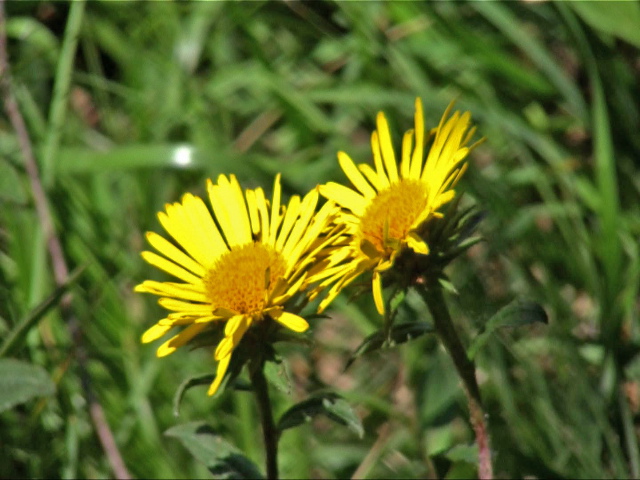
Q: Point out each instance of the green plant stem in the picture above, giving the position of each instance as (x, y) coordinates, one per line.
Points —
(269, 431)
(466, 369)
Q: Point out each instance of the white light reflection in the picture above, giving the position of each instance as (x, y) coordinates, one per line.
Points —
(183, 156)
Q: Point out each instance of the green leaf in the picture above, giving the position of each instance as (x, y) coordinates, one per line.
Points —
(21, 381)
(398, 334)
(330, 404)
(223, 460)
(621, 21)
(278, 376)
(516, 313)
(186, 385)
(13, 339)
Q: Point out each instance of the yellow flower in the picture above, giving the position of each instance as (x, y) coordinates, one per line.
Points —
(240, 270)
(391, 208)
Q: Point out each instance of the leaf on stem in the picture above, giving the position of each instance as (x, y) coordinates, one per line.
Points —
(330, 404)
(515, 314)
(398, 334)
(223, 460)
(21, 381)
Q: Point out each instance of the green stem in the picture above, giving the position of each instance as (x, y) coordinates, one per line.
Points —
(444, 326)
(269, 431)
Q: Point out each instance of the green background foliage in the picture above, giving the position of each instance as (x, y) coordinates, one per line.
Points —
(163, 95)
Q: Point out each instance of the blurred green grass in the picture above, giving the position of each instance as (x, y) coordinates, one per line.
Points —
(163, 95)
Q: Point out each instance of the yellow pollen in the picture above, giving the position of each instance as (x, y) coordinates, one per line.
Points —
(400, 205)
(240, 279)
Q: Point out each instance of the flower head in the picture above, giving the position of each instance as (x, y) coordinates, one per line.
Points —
(391, 206)
(240, 269)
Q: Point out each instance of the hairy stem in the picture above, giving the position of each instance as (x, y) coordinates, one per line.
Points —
(466, 369)
(269, 431)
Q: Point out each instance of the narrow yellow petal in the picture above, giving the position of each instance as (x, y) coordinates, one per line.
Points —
(155, 333)
(264, 214)
(352, 172)
(234, 330)
(180, 306)
(230, 208)
(275, 211)
(291, 321)
(383, 180)
(223, 364)
(170, 251)
(344, 196)
(388, 157)
(254, 216)
(179, 340)
(177, 221)
(407, 145)
(170, 267)
(186, 291)
(418, 153)
(416, 244)
(371, 175)
(203, 230)
(307, 210)
(377, 292)
(290, 216)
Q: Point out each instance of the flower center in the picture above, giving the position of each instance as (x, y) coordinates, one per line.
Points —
(240, 279)
(400, 205)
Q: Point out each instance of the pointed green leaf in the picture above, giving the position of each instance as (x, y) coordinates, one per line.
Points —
(329, 404)
(222, 459)
(13, 339)
(398, 334)
(278, 376)
(516, 313)
(621, 21)
(186, 385)
(21, 381)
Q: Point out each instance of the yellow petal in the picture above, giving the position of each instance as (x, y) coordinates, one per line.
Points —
(190, 308)
(383, 180)
(223, 364)
(407, 145)
(185, 291)
(291, 321)
(203, 231)
(254, 217)
(230, 209)
(386, 146)
(344, 197)
(371, 175)
(170, 251)
(293, 210)
(416, 244)
(261, 202)
(352, 172)
(275, 210)
(418, 153)
(377, 292)
(234, 330)
(307, 210)
(170, 267)
(179, 340)
(155, 333)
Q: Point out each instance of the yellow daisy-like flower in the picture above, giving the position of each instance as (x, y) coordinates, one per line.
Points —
(241, 270)
(390, 208)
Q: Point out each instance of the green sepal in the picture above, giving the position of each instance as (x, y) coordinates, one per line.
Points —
(223, 460)
(515, 314)
(330, 404)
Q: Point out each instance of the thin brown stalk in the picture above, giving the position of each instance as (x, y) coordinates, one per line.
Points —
(56, 254)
